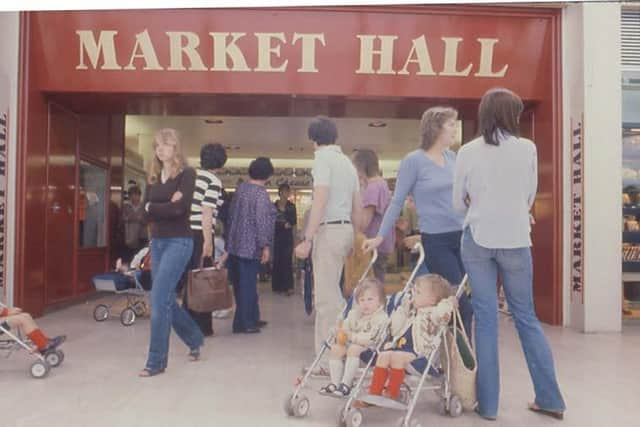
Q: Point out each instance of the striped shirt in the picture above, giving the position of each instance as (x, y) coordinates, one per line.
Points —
(207, 192)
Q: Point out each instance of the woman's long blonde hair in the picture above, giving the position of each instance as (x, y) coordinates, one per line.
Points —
(166, 136)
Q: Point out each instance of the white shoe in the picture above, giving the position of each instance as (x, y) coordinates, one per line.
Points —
(222, 314)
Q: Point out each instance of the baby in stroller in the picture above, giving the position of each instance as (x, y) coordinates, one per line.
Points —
(15, 318)
(354, 335)
(414, 326)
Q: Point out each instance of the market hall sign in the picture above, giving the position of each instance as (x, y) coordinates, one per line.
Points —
(99, 52)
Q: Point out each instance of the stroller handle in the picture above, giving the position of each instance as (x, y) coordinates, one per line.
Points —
(417, 247)
(461, 287)
(374, 258)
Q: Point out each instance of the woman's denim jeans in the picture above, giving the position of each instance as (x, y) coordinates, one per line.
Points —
(514, 266)
(442, 256)
(169, 257)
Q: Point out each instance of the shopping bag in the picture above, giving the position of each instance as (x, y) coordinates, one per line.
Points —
(463, 364)
(208, 289)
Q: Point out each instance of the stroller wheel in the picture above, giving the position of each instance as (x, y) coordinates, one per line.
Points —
(288, 405)
(54, 358)
(301, 406)
(128, 317)
(405, 394)
(455, 406)
(101, 313)
(39, 369)
(140, 308)
(354, 418)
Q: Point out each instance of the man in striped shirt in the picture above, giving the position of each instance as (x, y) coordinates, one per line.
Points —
(207, 200)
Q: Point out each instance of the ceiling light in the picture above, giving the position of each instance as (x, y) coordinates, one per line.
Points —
(377, 124)
(213, 121)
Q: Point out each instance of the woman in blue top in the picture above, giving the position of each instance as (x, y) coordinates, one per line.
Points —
(427, 174)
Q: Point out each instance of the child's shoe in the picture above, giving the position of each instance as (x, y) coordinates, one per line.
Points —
(343, 390)
(54, 343)
(328, 389)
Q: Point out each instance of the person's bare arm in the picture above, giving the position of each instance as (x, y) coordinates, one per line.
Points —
(207, 231)
(318, 208)
(366, 217)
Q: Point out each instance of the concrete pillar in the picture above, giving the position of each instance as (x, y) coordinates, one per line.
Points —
(9, 47)
(592, 141)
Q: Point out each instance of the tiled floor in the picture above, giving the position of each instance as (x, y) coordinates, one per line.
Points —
(243, 379)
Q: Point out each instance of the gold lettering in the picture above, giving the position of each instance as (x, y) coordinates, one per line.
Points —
(367, 52)
(265, 51)
(422, 58)
(147, 52)
(486, 60)
(105, 47)
(308, 50)
(222, 50)
(177, 47)
(451, 58)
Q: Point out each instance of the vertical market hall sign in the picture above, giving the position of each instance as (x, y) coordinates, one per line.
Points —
(100, 50)
(577, 211)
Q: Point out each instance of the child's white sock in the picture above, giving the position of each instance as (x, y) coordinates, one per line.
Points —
(336, 367)
(350, 368)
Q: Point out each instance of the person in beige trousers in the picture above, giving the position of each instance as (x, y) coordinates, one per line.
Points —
(332, 223)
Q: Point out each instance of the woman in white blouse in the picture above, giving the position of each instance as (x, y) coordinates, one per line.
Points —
(495, 185)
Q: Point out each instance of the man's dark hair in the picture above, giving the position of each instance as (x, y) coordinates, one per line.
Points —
(323, 131)
(212, 156)
(261, 169)
(134, 189)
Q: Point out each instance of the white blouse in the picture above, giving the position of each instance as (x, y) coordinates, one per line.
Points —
(500, 182)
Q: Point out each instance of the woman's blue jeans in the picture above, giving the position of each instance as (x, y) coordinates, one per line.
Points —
(169, 258)
(514, 266)
(442, 256)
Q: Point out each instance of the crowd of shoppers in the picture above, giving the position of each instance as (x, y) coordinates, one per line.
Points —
(473, 212)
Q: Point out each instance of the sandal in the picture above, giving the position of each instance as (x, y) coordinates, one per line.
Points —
(329, 389)
(558, 415)
(146, 373)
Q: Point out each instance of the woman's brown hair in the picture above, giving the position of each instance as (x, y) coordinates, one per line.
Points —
(166, 136)
(499, 111)
(432, 122)
(369, 283)
(366, 162)
(438, 285)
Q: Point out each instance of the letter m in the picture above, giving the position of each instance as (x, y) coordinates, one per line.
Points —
(105, 47)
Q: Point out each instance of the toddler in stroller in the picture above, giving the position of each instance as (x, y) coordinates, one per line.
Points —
(354, 335)
(45, 349)
(414, 326)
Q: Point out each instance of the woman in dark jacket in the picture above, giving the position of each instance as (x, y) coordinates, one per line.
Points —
(252, 221)
(167, 201)
(282, 272)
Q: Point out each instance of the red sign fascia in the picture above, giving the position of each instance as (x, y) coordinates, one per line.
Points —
(431, 52)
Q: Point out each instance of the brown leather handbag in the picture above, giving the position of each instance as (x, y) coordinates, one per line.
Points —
(208, 289)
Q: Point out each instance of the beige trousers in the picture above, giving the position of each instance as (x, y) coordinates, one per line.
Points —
(331, 245)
